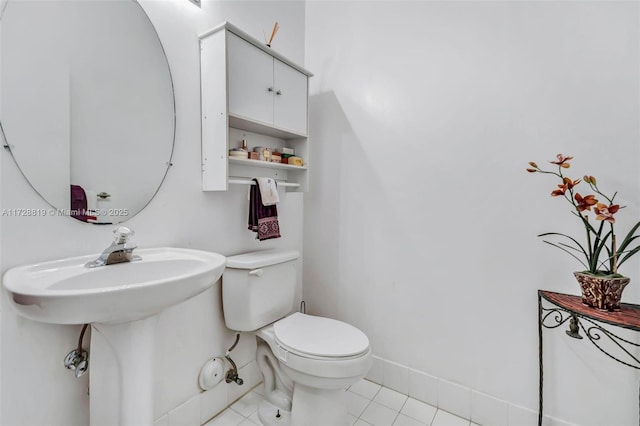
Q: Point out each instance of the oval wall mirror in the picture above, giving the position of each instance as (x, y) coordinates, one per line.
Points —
(86, 104)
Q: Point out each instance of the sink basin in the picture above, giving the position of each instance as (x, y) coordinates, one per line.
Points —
(122, 302)
(65, 292)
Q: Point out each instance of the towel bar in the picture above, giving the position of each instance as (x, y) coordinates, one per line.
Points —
(281, 183)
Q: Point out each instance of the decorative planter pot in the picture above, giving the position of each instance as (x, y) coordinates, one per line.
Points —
(601, 292)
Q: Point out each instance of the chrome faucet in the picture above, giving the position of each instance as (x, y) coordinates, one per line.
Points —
(119, 251)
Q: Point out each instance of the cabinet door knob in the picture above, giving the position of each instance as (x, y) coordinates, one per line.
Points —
(257, 272)
(270, 89)
(279, 92)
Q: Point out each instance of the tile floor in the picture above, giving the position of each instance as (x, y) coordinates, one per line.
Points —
(368, 403)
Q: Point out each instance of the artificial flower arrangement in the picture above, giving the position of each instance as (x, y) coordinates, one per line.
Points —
(603, 253)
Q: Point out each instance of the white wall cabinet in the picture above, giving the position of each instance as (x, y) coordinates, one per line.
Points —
(250, 92)
(250, 81)
(290, 100)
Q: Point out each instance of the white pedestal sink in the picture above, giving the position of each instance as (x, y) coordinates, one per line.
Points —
(122, 303)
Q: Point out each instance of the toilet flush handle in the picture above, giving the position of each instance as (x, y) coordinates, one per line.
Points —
(256, 272)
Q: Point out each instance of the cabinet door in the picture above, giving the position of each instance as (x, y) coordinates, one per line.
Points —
(250, 81)
(290, 103)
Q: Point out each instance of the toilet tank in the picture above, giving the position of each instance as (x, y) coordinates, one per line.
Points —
(258, 288)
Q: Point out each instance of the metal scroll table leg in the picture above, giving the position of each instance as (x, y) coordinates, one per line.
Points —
(539, 360)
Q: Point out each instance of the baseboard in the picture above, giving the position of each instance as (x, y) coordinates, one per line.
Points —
(455, 398)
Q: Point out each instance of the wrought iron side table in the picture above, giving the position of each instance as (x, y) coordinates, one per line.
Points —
(570, 308)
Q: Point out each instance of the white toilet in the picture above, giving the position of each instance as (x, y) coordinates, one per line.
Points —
(306, 361)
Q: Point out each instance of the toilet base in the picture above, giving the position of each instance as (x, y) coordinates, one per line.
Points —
(270, 415)
(318, 407)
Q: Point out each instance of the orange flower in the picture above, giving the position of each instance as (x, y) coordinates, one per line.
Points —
(560, 191)
(606, 213)
(571, 183)
(562, 161)
(585, 203)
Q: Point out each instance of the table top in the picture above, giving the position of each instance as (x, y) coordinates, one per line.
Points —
(627, 317)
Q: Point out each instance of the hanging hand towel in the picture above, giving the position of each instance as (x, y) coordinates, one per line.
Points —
(262, 219)
(78, 203)
(268, 191)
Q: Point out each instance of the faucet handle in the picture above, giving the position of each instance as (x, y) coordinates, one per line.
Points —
(122, 234)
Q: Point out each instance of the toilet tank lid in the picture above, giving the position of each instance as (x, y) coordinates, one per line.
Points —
(261, 258)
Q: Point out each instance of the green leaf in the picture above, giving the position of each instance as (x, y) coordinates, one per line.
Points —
(569, 247)
(628, 255)
(578, 245)
(565, 250)
(608, 259)
(599, 244)
(630, 236)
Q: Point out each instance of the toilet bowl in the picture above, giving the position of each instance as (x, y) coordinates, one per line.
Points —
(307, 361)
(321, 357)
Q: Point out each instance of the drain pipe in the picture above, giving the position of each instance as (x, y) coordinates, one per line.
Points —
(78, 359)
(232, 375)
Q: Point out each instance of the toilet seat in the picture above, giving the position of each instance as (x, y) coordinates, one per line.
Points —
(339, 359)
(315, 337)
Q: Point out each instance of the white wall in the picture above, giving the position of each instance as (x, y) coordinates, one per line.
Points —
(421, 222)
(36, 389)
